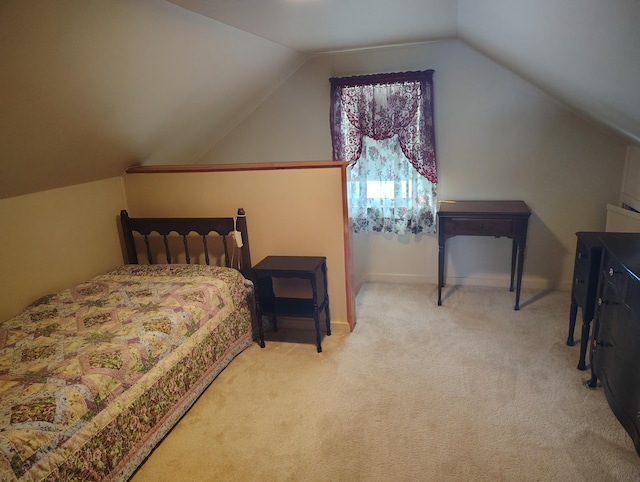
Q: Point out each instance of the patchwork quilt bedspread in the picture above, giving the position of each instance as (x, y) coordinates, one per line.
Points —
(91, 378)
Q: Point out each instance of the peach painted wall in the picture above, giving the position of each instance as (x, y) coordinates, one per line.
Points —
(54, 239)
(289, 212)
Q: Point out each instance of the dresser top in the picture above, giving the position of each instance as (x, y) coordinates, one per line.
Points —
(591, 238)
(625, 247)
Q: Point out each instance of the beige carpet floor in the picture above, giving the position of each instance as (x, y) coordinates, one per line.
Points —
(469, 391)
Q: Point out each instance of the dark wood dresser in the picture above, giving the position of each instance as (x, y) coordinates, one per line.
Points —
(615, 346)
(586, 269)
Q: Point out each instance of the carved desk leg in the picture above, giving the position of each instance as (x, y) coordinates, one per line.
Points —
(514, 252)
(519, 280)
(440, 271)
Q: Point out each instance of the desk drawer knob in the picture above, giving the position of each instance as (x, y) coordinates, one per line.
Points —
(611, 272)
(578, 281)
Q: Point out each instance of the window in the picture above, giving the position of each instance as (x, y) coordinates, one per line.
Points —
(383, 126)
(387, 189)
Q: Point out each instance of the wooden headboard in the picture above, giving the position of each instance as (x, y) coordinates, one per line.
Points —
(223, 227)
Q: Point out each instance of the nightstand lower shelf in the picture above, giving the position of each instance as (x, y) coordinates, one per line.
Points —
(311, 268)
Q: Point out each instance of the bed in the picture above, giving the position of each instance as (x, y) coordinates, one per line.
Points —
(92, 377)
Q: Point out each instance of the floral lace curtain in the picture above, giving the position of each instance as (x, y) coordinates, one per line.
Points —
(383, 126)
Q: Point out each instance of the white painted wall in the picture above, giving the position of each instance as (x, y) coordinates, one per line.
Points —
(630, 192)
(498, 137)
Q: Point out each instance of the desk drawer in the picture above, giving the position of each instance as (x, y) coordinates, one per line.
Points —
(480, 227)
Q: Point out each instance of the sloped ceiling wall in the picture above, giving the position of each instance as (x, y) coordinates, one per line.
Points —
(91, 87)
(583, 52)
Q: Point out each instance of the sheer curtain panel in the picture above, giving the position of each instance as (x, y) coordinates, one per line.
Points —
(383, 126)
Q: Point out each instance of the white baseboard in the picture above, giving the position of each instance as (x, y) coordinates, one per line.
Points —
(528, 282)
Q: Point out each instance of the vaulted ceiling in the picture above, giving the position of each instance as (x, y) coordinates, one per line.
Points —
(89, 88)
(584, 52)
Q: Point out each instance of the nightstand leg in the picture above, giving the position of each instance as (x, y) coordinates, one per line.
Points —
(260, 328)
(316, 321)
(519, 274)
(316, 314)
(440, 272)
(326, 298)
(328, 319)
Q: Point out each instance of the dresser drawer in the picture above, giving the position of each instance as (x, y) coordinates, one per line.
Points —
(581, 271)
(582, 262)
(480, 227)
(620, 330)
(615, 274)
(580, 291)
(586, 271)
(622, 386)
(633, 295)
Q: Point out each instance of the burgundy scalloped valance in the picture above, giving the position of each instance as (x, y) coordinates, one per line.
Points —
(381, 106)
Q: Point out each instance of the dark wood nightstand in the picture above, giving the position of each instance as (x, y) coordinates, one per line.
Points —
(584, 289)
(312, 268)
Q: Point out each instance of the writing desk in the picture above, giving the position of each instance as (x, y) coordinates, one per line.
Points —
(484, 218)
